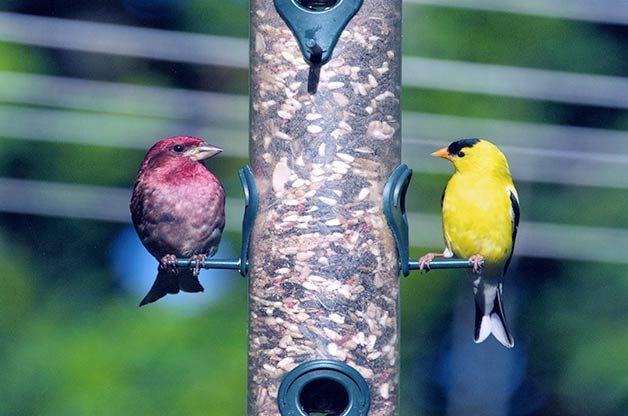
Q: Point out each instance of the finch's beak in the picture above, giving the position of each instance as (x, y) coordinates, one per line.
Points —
(204, 151)
(442, 153)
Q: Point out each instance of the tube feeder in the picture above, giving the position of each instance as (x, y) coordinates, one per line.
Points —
(323, 263)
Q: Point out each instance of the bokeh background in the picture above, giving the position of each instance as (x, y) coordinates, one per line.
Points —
(86, 87)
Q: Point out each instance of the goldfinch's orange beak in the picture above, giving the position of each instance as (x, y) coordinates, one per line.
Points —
(442, 153)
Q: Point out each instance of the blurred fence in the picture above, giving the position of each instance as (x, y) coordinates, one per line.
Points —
(71, 110)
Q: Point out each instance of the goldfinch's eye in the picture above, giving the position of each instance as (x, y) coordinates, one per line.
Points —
(460, 154)
(178, 148)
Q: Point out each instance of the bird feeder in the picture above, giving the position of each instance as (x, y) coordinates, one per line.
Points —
(323, 263)
(325, 233)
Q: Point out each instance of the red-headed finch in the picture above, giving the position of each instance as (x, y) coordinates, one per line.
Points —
(178, 210)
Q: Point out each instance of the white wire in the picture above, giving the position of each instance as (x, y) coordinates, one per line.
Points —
(536, 163)
(122, 98)
(101, 203)
(111, 130)
(598, 11)
(537, 84)
(229, 110)
(112, 205)
(545, 137)
(537, 239)
(559, 86)
(537, 152)
(115, 39)
(531, 165)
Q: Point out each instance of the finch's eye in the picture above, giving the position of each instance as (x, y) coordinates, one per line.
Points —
(460, 154)
(178, 148)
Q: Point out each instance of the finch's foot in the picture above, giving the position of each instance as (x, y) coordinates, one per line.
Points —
(169, 262)
(424, 262)
(477, 261)
(200, 260)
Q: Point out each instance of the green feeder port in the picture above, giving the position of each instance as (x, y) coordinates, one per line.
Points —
(324, 387)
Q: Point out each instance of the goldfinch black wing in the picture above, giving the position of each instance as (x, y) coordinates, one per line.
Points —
(448, 253)
(514, 214)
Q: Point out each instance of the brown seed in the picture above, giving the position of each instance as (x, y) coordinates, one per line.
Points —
(341, 99)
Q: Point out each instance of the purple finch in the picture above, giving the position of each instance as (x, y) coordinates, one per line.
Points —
(178, 210)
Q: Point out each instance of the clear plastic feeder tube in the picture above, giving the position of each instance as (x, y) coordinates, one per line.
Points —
(324, 273)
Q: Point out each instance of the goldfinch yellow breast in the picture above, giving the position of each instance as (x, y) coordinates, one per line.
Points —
(476, 217)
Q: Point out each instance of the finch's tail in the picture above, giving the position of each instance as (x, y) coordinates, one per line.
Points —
(188, 282)
(166, 282)
(490, 317)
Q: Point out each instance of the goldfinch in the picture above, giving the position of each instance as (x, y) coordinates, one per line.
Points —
(480, 209)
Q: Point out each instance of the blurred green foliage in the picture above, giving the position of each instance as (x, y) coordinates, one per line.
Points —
(114, 359)
(508, 39)
(580, 336)
(72, 342)
(19, 58)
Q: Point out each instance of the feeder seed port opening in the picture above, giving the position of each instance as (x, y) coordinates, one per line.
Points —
(326, 387)
(317, 5)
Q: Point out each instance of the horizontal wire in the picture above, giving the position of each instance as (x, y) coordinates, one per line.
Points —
(232, 110)
(91, 202)
(111, 130)
(535, 239)
(541, 136)
(518, 82)
(535, 164)
(599, 11)
(467, 77)
(122, 98)
(123, 40)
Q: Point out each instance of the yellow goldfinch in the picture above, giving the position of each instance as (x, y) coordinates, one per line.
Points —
(480, 220)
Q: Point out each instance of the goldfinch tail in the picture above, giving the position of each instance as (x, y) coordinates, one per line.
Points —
(491, 321)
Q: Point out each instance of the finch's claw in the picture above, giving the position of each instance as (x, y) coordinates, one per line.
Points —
(477, 261)
(424, 262)
(169, 262)
(200, 260)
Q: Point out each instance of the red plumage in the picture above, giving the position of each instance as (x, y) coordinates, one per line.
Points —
(178, 210)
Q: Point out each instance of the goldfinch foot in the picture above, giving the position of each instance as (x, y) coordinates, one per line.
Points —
(424, 262)
(477, 261)
(169, 263)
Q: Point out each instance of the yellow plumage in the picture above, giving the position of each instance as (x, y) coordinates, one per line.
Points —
(480, 219)
(476, 205)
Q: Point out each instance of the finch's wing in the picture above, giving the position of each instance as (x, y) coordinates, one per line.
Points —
(448, 252)
(514, 214)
